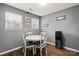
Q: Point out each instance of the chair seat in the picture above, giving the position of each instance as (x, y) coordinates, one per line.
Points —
(29, 43)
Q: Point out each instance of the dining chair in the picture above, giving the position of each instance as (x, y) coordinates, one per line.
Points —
(28, 34)
(27, 45)
(42, 44)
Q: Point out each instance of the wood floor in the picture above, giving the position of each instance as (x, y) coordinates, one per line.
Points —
(60, 52)
(52, 51)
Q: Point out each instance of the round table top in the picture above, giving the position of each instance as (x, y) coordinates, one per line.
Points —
(34, 37)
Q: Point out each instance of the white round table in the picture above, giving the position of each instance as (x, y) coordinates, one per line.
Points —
(34, 38)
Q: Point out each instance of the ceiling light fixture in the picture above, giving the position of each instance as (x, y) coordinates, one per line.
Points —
(43, 4)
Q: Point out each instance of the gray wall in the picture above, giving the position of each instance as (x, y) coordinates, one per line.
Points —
(10, 39)
(70, 26)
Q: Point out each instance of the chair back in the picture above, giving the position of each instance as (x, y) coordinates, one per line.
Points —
(24, 40)
(43, 33)
(29, 33)
(44, 38)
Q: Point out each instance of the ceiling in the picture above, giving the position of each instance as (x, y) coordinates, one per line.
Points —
(39, 10)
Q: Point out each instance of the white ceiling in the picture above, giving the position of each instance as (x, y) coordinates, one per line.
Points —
(39, 10)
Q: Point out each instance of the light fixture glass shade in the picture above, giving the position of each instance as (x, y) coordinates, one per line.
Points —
(43, 4)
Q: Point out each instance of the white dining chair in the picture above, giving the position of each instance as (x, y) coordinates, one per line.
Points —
(26, 45)
(42, 44)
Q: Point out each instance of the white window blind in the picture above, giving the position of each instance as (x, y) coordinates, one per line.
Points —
(13, 21)
(34, 23)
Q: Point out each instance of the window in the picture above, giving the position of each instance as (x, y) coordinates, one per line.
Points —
(13, 21)
(34, 23)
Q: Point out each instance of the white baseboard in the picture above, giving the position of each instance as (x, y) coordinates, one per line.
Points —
(65, 47)
(50, 43)
(71, 49)
(10, 50)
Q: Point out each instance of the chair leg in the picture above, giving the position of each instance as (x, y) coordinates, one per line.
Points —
(25, 51)
(33, 51)
(41, 51)
(46, 50)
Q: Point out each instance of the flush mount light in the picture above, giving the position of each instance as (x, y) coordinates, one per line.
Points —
(43, 4)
